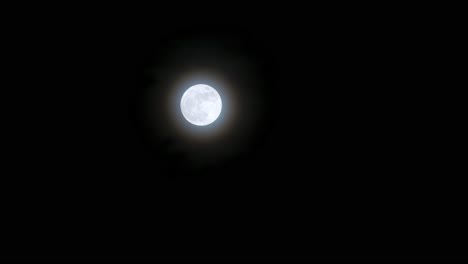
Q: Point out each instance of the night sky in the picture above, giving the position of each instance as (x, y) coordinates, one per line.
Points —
(331, 154)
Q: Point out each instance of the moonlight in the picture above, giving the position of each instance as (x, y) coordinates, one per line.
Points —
(201, 105)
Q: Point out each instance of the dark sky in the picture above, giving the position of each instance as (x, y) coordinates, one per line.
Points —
(333, 153)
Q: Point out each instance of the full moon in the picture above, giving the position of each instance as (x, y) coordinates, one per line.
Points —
(201, 105)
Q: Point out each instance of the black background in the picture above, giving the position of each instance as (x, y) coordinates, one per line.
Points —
(347, 159)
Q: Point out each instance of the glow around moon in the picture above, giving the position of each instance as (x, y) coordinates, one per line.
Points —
(201, 105)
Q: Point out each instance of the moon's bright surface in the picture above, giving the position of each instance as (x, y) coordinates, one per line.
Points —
(201, 105)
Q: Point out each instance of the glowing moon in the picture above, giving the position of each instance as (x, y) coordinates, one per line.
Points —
(201, 105)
